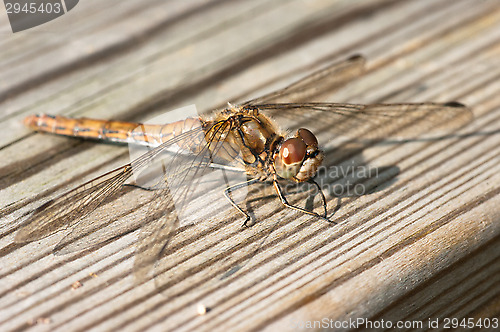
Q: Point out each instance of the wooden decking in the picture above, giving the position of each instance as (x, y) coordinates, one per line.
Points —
(423, 244)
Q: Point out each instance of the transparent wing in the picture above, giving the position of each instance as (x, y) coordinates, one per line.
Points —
(372, 122)
(186, 178)
(317, 83)
(292, 107)
(155, 235)
(115, 217)
(180, 179)
(69, 208)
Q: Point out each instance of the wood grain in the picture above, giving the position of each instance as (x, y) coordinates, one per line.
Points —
(424, 243)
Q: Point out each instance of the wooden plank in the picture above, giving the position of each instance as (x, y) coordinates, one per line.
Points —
(423, 245)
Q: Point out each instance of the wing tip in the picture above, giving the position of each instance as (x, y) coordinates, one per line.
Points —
(357, 57)
(455, 104)
(466, 110)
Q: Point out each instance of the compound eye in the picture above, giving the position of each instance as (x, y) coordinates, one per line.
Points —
(293, 151)
(308, 137)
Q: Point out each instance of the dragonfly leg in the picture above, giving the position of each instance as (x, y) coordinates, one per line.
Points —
(288, 205)
(228, 191)
(322, 195)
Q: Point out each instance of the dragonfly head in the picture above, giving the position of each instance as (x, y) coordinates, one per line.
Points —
(299, 157)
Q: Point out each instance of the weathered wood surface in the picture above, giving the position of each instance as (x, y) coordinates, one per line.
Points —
(424, 245)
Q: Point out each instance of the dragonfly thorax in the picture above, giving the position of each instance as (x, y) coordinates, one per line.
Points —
(265, 151)
(248, 138)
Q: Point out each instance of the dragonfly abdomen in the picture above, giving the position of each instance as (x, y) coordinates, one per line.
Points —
(113, 131)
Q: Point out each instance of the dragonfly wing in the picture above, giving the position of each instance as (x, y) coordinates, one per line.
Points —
(155, 234)
(181, 172)
(101, 226)
(71, 207)
(375, 121)
(185, 177)
(67, 209)
(317, 83)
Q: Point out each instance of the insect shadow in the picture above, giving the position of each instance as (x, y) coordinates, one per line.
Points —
(348, 174)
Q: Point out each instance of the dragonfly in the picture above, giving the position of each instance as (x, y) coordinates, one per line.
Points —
(242, 136)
